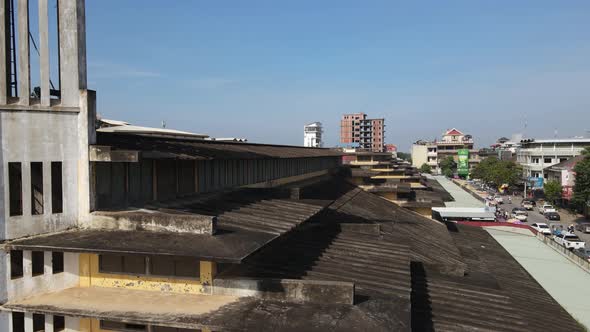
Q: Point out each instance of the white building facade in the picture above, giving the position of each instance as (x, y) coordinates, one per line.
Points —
(537, 155)
(312, 135)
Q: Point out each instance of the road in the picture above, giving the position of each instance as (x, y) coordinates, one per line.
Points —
(535, 216)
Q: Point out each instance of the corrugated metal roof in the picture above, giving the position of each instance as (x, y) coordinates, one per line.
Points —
(202, 149)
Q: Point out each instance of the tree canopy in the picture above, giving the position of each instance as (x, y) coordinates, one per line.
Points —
(405, 156)
(497, 172)
(582, 186)
(425, 168)
(448, 166)
(552, 190)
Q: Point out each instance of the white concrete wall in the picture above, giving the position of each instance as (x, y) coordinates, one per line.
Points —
(72, 324)
(40, 137)
(419, 155)
(28, 285)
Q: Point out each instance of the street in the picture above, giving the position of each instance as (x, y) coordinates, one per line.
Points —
(535, 217)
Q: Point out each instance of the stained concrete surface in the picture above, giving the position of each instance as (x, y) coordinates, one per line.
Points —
(461, 197)
(563, 280)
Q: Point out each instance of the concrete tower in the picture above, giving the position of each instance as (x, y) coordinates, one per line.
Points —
(45, 137)
(312, 135)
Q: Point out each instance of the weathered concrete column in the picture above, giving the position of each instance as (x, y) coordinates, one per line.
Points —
(3, 54)
(86, 136)
(48, 318)
(72, 50)
(44, 52)
(28, 322)
(24, 65)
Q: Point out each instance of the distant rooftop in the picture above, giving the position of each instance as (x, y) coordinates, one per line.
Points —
(557, 140)
(116, 126)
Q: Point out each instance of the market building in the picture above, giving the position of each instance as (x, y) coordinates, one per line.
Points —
(112, 227)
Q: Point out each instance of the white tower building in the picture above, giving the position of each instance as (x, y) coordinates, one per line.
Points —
(312, 135)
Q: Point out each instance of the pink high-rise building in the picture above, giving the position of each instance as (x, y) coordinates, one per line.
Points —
(369, 134)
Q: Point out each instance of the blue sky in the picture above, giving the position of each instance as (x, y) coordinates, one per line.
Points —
(262, 69)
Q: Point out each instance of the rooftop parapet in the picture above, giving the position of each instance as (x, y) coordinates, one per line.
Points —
(162, 220)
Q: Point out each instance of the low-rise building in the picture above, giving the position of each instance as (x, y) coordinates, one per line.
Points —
(564, 174)
(536, 155)
(312, 135)
(453, 143)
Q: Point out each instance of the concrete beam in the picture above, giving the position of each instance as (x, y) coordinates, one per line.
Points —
(105, 154)
(294, 290)
(163, 220)
(72, 50)
(44, 52)
(3, 54)
(24, 64)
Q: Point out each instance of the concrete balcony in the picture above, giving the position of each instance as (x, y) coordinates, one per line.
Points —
(465, 142)
(550, 151)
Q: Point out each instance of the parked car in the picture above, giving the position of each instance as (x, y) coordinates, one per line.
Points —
(499, 199)
(519, 215)
(528, 205)
(569, 241)
(541, 228)
(520, 209)
(583, 227)
(546, 208)
(583, 252)
(552, 216)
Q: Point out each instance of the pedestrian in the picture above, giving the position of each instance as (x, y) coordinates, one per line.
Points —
(509, 200)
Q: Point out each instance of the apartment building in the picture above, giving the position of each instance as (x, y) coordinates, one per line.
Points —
(536, 155)
(312, 135)
(564, 174)
(367, 134)
(452, 141)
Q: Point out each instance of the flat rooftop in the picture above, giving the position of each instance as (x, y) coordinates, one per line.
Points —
(227, 246)
(215, 312)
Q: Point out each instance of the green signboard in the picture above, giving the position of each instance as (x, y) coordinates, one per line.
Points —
(463, 162)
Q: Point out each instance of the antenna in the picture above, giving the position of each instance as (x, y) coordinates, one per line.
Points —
(163, 124)
(525, 126)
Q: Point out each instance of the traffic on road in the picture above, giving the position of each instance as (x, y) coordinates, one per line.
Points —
(544, 218)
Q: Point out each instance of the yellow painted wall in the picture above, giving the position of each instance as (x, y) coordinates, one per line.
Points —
(357, 180)
(389, 177)
(425, 211)
(93, 325)
(91, 277)
(389, 196)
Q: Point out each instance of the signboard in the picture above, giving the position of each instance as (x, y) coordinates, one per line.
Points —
(536, 182)
(463, 162)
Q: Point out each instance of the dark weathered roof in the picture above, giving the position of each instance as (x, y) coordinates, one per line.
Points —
(406, 268)
(247, 219)
(568, 164)
(167, 147)
(219, 313)
(460, 279)
(490, 297)
(258, 210)
(397, 187)
(226, 246)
